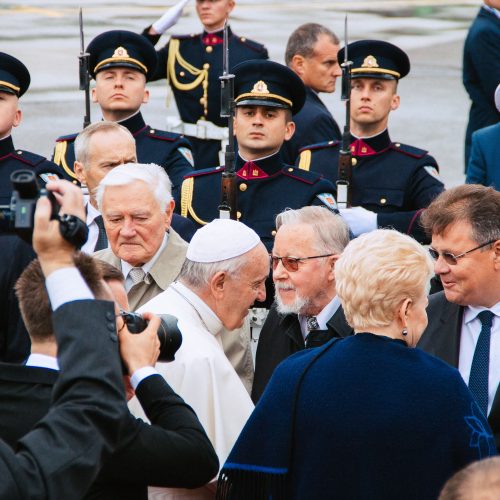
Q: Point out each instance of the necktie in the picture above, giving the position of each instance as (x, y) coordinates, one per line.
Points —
(312, 323)
(102, 239)
(478, 380)
(137, 275)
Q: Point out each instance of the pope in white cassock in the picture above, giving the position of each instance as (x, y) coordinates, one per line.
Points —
(224, 272)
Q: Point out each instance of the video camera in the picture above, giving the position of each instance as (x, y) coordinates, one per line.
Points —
(168, 332)
(18, 217)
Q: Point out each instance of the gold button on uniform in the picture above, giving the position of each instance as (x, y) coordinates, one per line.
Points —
(182, 73)
(273, 232)
(397, 145)
(290, 169)
(206, 65)
(209, 49)
(354, 162)
(383, 201)
(238, 215)
(243, 186)
(152, 131)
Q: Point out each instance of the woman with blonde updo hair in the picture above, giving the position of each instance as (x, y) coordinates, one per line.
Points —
(368, 416)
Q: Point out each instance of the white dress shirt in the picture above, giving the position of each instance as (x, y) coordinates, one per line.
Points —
(471, 328)
(91, 242)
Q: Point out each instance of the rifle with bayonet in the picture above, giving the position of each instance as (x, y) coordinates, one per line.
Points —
(227, 207)
(345, 156)
(83, 60)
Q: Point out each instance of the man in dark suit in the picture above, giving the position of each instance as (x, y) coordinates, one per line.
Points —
(481, 69)
(307, 312)
(144, 455)
(311, 53)
(63, 453)
(464, 319)
(484, 160)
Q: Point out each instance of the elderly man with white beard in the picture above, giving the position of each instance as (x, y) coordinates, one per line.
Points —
(306, 312)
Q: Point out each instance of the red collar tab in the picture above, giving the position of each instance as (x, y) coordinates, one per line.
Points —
(360, 148)
(251, 170)
(209, 39)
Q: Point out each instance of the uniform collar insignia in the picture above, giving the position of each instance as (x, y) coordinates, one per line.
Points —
(120, 52)
(370, 62)
(260, 88)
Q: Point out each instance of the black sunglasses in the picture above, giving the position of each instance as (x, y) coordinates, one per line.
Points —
(451, 259)
(292, 263)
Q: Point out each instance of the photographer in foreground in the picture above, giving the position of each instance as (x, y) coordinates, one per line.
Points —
(145, 453)
(64, 452)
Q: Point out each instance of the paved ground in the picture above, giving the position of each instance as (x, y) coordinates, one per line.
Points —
(434, 105)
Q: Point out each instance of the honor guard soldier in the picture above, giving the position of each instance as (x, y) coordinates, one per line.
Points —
(14, 81)
(392, 183)
(121, 63)
(192, 65)
(266, 95)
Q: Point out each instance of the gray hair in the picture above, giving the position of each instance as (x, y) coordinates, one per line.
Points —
(332, 233)
(153, 175)
(197, 275)
(82, 141)
(304, 38)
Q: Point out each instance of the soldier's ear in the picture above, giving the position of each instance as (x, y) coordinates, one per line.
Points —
(289, 130)
(94, 95)
(18, 116)
(395, 102)
(145, 97)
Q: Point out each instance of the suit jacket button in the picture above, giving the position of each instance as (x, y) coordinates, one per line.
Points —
(113, 337)
(110, 316)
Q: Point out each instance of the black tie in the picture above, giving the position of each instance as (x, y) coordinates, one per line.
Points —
(102, 239)
(480, 368)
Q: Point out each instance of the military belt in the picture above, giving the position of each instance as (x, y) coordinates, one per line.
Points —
(203, 129)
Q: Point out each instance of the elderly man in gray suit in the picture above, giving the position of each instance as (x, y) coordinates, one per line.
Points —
(137, 207)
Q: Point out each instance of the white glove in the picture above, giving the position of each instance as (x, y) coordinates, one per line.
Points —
(170, 17)
(359, 219)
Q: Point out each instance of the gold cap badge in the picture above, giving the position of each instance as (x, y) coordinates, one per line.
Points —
(260, 88)
(370, 62)
(120, 52)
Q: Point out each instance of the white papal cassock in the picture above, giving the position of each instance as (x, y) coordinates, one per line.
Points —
(202, 375)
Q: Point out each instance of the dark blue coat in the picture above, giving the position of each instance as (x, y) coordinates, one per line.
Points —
(153, 146)
(264, 189)
(314, 124)
(12, 159)
(481, 72)
(484, 161)
(349, 420)
(394, 180)
(199, 50)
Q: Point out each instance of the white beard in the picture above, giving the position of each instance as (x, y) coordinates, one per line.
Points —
(298, 305)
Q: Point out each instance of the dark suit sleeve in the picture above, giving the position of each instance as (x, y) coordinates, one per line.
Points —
(476, 170)
(173, 451)
(61, 456)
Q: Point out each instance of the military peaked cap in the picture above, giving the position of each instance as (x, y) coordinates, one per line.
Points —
(14, 75)
(120, 48)
(376, 59)
(267, 83)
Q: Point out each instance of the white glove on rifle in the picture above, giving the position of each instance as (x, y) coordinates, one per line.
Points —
(359, 219)
(170, 17)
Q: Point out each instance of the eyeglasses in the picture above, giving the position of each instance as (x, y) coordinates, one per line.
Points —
(451, 259)
(292, 263)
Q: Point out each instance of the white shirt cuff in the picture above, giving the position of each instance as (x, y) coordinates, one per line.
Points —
(139, 375)
(66, 285)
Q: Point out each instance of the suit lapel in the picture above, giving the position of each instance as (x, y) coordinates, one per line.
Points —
(291, 326)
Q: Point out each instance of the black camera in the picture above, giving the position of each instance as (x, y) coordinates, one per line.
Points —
(168, 332)
(18, 218)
